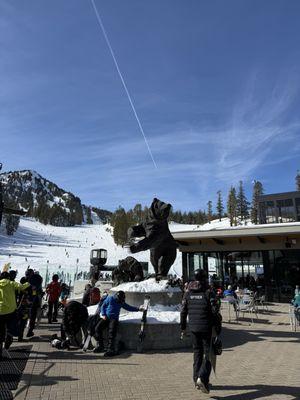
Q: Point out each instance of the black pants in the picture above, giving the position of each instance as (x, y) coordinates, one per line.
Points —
(33, 312)
(52, 305)
(201, 347)
(112, 325)
(4, 322)
(22, 326)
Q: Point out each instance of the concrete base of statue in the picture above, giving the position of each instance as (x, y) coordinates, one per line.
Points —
(162, 330)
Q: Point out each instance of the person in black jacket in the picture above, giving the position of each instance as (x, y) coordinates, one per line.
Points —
(36, 294)
(198, 304)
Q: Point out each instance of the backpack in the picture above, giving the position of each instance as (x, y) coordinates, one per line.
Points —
(94, 296)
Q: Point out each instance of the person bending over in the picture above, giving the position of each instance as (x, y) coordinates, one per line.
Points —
(109, 313)
(74, 322)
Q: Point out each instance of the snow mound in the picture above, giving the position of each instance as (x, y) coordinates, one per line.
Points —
(157, 314)
(147, 286)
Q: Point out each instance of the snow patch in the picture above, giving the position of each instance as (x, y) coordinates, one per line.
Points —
(157, 314)
(147, 286)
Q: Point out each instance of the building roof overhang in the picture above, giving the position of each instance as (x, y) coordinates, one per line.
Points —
(283, 229)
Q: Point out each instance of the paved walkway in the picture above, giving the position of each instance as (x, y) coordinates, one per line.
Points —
(259, 361)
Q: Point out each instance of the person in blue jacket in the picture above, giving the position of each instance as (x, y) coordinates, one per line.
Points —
(109, 313)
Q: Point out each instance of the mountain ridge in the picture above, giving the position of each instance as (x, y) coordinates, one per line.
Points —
(46, 201)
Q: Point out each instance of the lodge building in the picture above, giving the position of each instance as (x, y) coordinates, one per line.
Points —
(269, 252)
(279, 207)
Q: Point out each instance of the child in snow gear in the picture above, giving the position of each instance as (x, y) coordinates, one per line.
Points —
(8, 306)
(53, 290)
(110, 311)
(198, 304)
(95, 296)
(64, 294)
(23, 311)
(86, 295)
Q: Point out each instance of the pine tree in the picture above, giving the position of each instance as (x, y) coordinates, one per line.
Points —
(11, 223)
(298, 181)
(121, 223)
(209, 211)
(232, 206)
(242, 203)
(137, 213)
(257, 191)
(89, 220)
(220, 207)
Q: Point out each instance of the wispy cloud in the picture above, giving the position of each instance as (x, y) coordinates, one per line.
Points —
(259, 125)
(193, 162)
(63, 112)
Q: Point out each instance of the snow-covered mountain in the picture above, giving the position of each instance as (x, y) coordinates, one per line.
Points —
(45, 201)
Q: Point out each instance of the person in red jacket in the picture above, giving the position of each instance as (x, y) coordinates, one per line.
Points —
(53, 290)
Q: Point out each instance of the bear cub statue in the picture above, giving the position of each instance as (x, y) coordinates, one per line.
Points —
(157, 238)
(128, 270)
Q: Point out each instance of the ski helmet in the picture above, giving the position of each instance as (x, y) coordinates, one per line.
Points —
(120, 296)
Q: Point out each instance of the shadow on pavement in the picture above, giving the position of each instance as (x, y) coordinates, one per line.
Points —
(257, 391)
(11, 370)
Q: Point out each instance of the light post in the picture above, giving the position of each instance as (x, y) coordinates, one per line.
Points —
(75, 276)
(46, 278)
(98, 259)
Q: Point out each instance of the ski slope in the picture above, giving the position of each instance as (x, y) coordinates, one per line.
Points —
(65, 248)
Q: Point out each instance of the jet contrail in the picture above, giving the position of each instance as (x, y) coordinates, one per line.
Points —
(122, 80)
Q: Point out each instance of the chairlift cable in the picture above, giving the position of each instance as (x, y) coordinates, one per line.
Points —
(122, 79)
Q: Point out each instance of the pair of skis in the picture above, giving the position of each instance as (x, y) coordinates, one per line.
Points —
(142, 334)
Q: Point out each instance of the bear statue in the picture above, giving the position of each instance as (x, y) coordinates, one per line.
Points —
(157, 238)
(128, 270)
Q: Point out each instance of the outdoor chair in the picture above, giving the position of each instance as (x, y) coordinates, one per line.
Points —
(231, 302)
(294, 313)
(261, 301)
(247, 304)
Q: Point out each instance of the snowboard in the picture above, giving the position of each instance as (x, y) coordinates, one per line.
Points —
(212, 356)
(86, 343)
(143, 323)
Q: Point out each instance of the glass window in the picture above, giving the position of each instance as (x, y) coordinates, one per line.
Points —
(270, 212)
(297, 200)
(195, 261)
(262, 212)
(286, 210)
(215, 267)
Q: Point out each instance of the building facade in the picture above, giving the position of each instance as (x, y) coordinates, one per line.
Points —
(268, 253)
(279, 208)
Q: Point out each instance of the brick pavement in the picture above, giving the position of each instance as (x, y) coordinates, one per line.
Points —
(259, 361)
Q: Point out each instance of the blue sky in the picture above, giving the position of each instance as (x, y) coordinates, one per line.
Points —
(215, 85)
